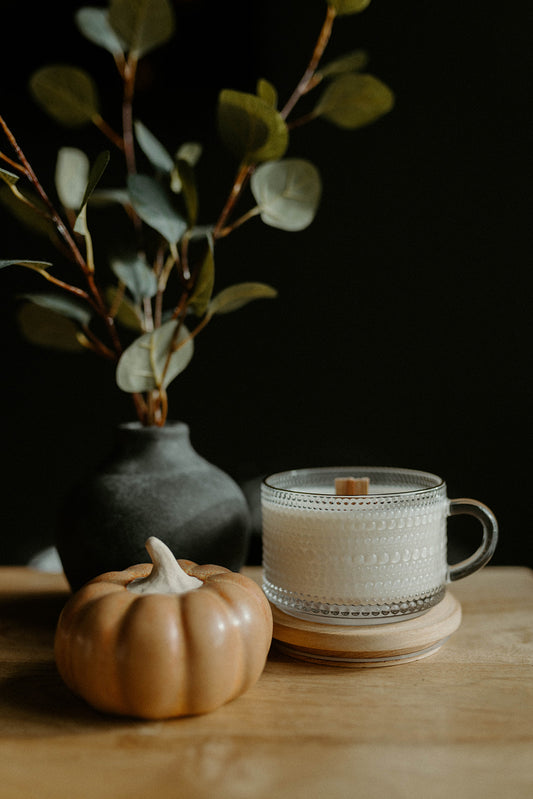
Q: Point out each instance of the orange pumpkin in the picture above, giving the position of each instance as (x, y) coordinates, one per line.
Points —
(163, 640)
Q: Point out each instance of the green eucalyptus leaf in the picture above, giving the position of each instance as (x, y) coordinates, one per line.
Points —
(250, 128)
(141, 365)
(354, 100)
(349, 6)
(71, 176)
(8, 177)
(127, 314)
(97, 170)
(136, 275)
(67, 93)
(153, 206)
(46, 328)
(267, 92)
(110, 196)
(234, 297)
(351, 62)
(94, 25)
(152, 148)
(36, 266)
(62, 305)
(189, 153)
(203, 290)
(33, 215)
(185, 175)
(142, 25)
(287, 193)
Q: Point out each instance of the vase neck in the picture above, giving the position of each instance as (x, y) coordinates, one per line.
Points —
(157, 447)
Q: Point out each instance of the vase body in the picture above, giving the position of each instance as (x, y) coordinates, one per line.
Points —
(154, 483)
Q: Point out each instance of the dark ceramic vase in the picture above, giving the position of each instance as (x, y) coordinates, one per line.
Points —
(154, 483)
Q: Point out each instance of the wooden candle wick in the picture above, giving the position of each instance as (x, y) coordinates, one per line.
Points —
(351, 486)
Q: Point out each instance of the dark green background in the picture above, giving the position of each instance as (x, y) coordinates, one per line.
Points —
(401, 335)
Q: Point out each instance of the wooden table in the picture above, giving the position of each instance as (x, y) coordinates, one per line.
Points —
(458, 724)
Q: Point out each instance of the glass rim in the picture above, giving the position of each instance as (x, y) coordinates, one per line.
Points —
(354, 471)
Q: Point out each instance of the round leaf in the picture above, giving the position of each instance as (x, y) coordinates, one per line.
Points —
(349, 6)
(136, 275)
(203, 290)
(267, 92)
(72, 173)
(354, 100)
(33, 216)
(152, 148)
(250, 128)
(142, 24)
(95, 26)
(351, 62)
(153, 206)
(234, 297)
(67, 93)
(141, 365)
(62, 305)
(287, 192)
(44, 327)
(126, 313)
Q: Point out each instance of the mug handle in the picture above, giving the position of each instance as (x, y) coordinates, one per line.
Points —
(490, 537)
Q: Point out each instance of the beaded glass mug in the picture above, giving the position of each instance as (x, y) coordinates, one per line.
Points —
(373, 557)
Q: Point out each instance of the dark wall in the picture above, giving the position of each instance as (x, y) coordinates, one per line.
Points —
(401, 333)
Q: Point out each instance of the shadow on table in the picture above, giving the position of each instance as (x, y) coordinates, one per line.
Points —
(34, 701)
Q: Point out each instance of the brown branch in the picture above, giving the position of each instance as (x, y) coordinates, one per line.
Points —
(130, 70)
(307, 80)
(12, 163)
(108, 132)
(243, 175)
(65, 234)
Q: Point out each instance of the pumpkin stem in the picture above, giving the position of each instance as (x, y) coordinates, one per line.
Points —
(167, 576)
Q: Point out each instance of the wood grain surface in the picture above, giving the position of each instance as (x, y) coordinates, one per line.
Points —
(457, 724)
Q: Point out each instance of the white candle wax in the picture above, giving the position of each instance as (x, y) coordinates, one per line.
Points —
(367, 550)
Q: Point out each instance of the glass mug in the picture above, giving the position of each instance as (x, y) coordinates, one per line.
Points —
(366, 559)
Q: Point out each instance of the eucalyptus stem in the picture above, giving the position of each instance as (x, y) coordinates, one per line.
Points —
(244, 172)
(306, 81)
(240, 221)
(129, 73)
(108, 132)
(12, 164)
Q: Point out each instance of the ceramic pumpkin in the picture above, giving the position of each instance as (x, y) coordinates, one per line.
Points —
(165, 639)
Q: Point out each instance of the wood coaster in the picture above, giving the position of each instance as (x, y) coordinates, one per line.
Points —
(367, 645)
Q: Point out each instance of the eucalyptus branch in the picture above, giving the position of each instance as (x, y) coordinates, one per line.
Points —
(65, 234)
(193, 333)
(108, 132)
(54, 215)
(243, 175)
(77, 292)
(98, 346)
(148, 315)
(307, 80)
(12, 164)
(306, 83)
(240, 221)
(303, 120)
(129, 73)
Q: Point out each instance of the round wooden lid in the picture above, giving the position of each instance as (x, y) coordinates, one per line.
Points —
(367, 645)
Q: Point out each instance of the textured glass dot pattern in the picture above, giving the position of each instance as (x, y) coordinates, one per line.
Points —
(354, 558)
